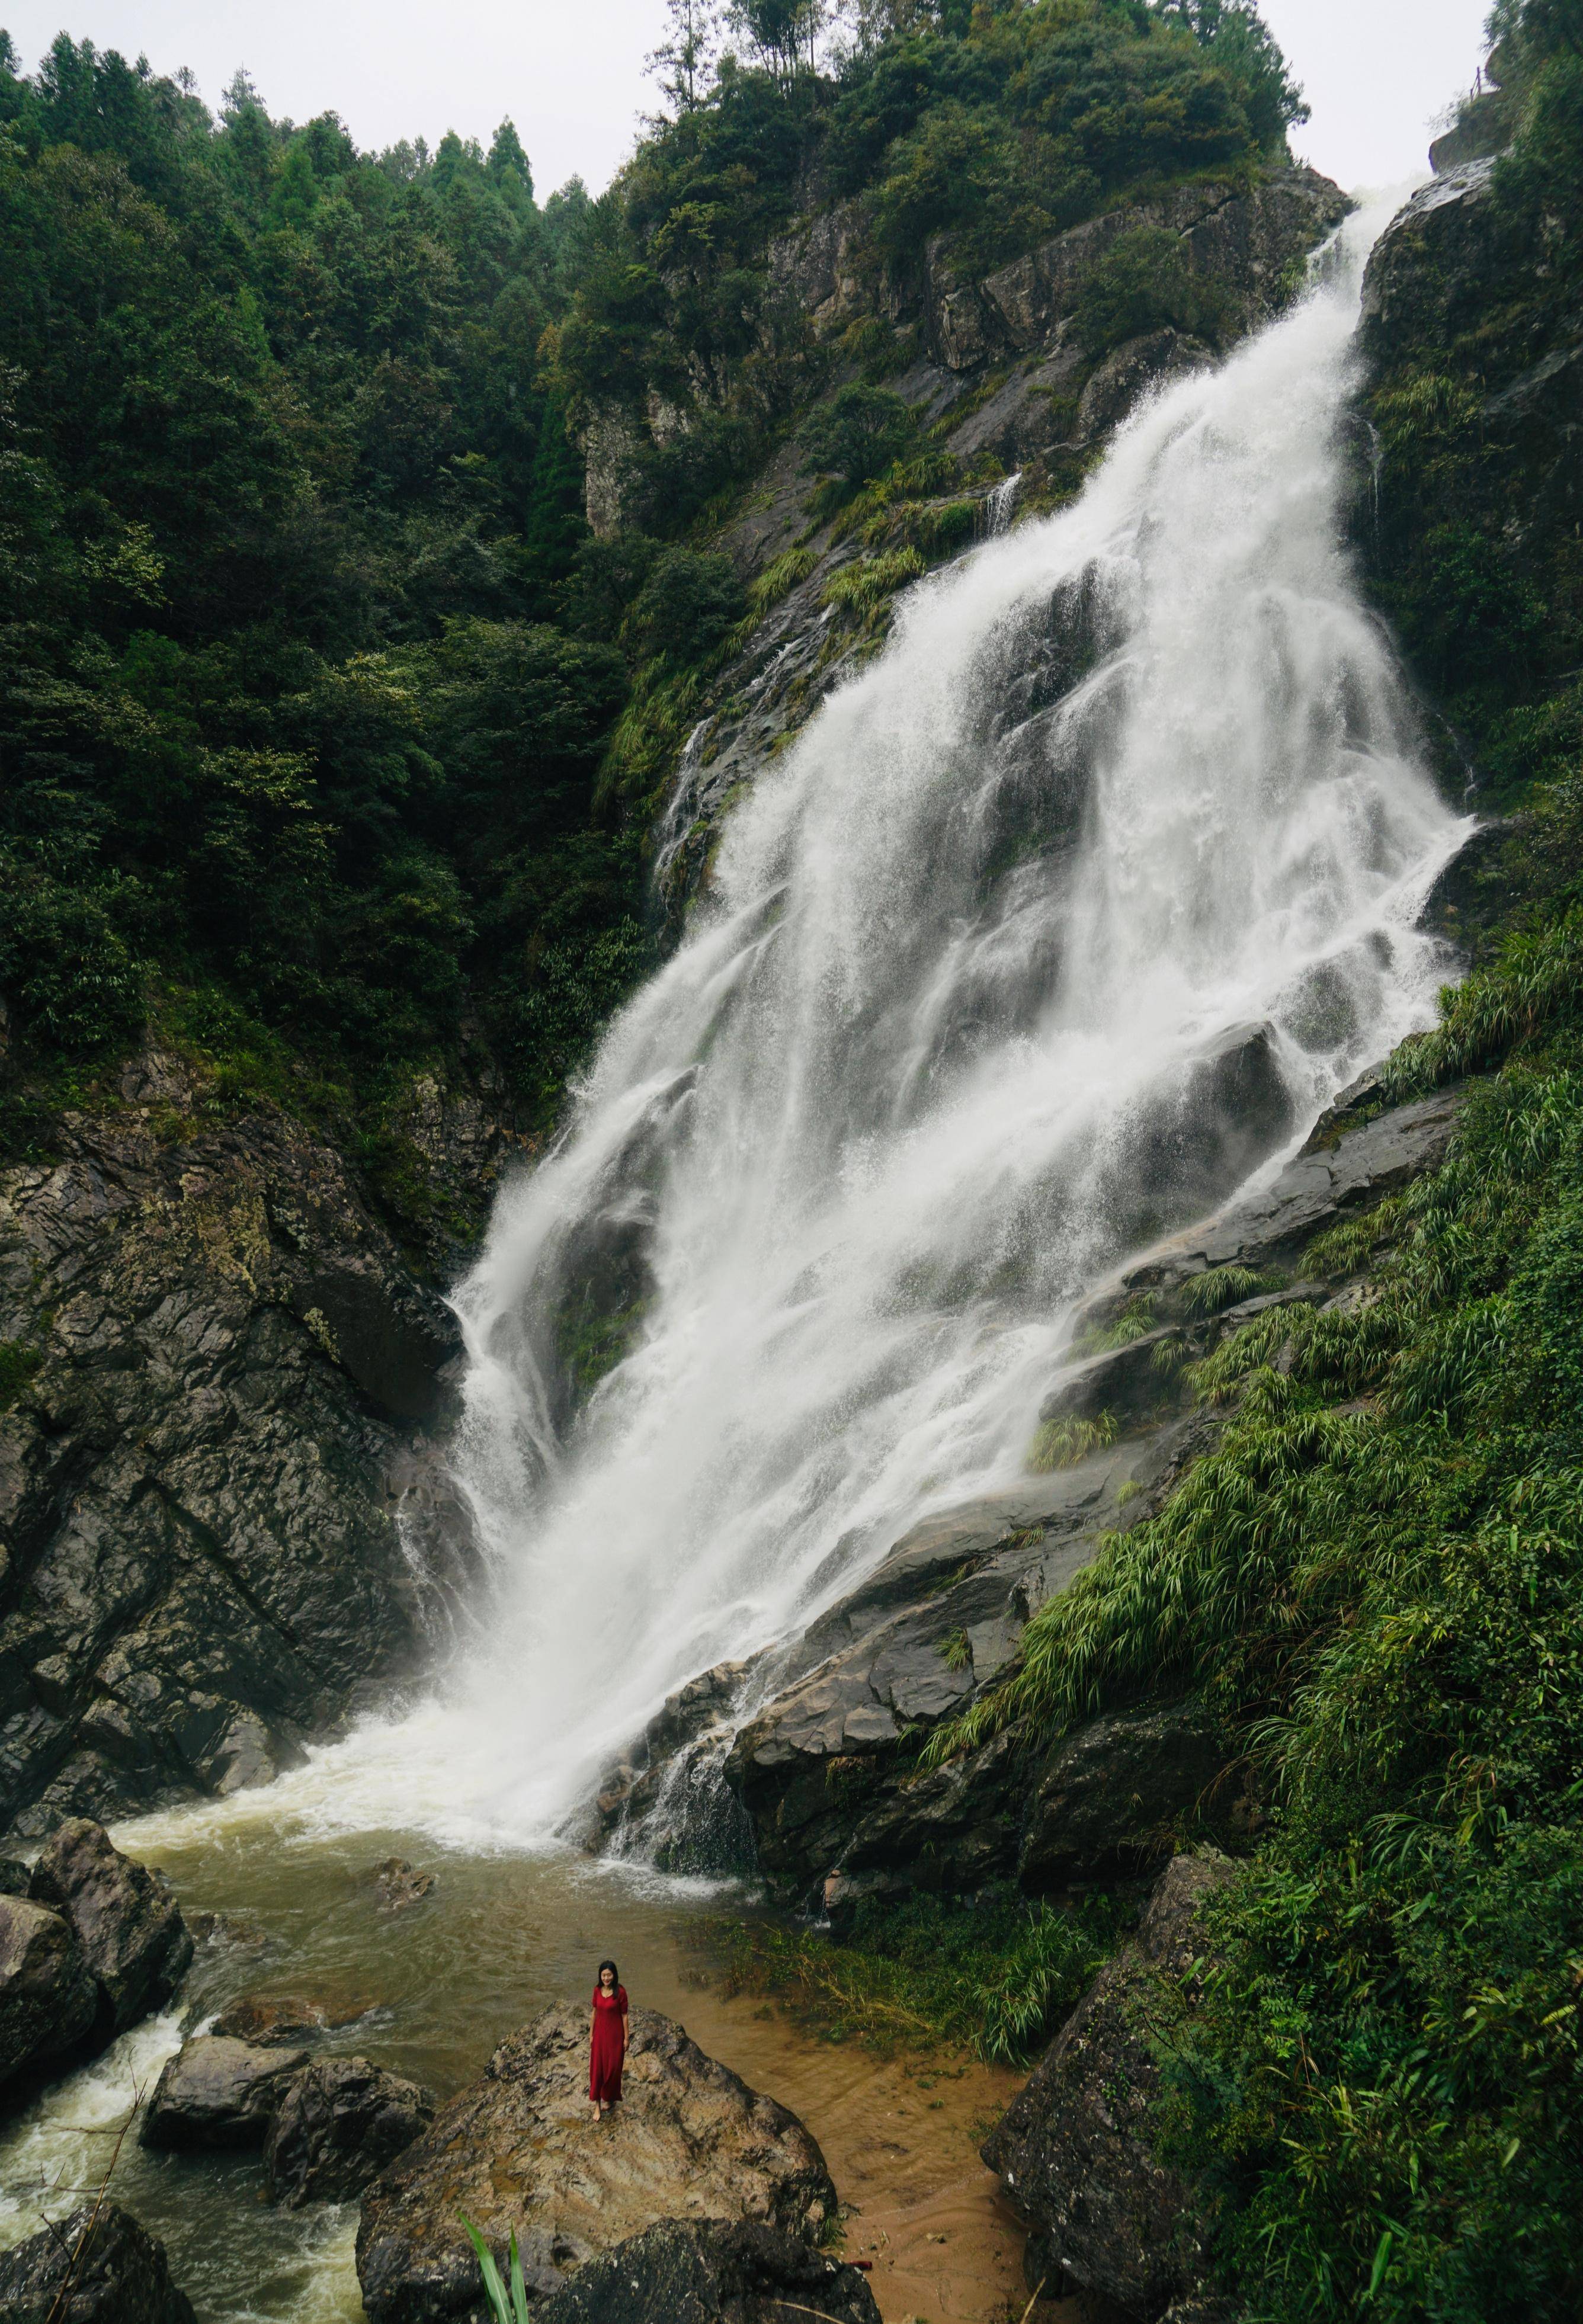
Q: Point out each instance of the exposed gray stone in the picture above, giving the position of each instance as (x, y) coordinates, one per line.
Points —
(49, 2001)
(196, 1486)
(1111, 1793)
(339, 2122)
(681, 2272)
(217, 2092)
(129, 1926)
(518, 2151)
(1323, 1184)
(99, 2267)
(838, 1808)
(1074, 2149)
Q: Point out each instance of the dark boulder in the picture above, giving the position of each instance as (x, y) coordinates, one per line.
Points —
(399, 1883)
(683, 2273)
(99, 2267)
(215, 2092)
(1109, 1797)
(267, 2018)
(518, 2151)
(338, 2124)
(49, 2001)
(1074, 2149)
(125, 1919)
(14, 1877)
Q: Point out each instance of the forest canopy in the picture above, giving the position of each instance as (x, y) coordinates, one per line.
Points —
(309, 668)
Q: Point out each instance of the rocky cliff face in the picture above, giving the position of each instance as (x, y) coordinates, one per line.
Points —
(1000, 385)
(221, 1529)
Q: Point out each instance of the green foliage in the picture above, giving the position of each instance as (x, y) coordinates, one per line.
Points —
(1145, 282)
(861, 586)
(1221, 1286)
(284, 504)
(1063, 1443)
(18, 1364)
(778, 579)
(996, 1975)
(857, 434)
(688, 605)
(504, 2310)
(1376, 1585)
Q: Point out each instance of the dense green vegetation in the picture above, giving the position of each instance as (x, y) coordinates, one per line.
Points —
(288, 748)
(996, 1977)
(328, 739)
(1375, 1580)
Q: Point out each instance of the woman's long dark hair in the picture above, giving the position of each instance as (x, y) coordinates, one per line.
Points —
(615, 1975)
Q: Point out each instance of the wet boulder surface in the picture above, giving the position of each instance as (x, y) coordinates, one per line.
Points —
(1074, 2150)
(339, 2122)
(225, 1381)
(49, 2001)
(519, 2150)
(98, 2266)
(683, 2273)
(128, 1924)
(215, 2092)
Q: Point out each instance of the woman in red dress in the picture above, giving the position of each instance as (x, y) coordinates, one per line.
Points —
(610, 2040)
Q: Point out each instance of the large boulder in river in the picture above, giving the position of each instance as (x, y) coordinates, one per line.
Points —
(1074, 2149)
(99, 2267)
(49, 2001)
(683, 2273)
(217, 2092)
(129, 1926)
(520, 2150)
(339, 2123)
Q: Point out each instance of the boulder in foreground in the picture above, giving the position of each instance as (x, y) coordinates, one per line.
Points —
(129, 1926)
(1074, 2149)
(520, 2150)
(683, 2273)
(48, 1998)
(85, 2270)
(339, 2122)
(217, 2092)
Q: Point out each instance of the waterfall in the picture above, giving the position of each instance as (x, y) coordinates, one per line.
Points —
(936, 1052)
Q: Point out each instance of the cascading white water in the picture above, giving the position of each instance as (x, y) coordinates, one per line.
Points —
(1126, 777)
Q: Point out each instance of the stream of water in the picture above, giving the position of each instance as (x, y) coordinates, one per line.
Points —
(1126, 778)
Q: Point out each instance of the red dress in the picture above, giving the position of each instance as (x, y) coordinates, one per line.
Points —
(604, 2068)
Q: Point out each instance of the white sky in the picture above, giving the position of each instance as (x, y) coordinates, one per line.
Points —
(570, 72)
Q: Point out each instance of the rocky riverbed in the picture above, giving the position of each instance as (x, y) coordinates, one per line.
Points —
(289, 1919)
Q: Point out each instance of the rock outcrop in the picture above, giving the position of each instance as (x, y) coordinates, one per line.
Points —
(226, 1374)
(267, 2018)
(518, 2151)
(339, 2123)
(218, 2093)
(98, 2266)
(133, 1939)
(679, 2272)
(1074, 2150)
(49, 2001)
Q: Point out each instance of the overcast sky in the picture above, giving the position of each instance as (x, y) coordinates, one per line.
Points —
(570, 72)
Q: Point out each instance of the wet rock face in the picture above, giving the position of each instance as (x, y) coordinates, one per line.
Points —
(1108, 1794)
(1073, 2150)
(520, 2150)
(91, 2269)
(264, 2019)
(826, 1771)
(339, 2122)
(681, 2274)
(218, 2093)
(49, 2001)
(199, 1482)
(128, 1925)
